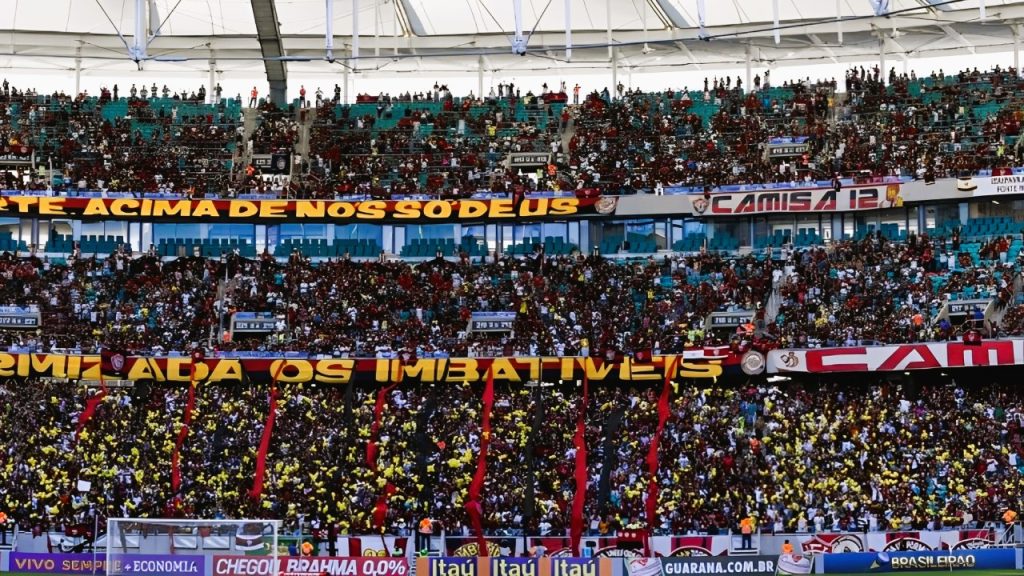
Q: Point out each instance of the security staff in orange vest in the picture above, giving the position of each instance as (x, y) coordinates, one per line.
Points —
(423, 534)
(787, 548)
(1010, 519)
(747, 530)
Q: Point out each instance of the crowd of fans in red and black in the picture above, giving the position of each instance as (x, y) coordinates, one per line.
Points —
(131, 141)
(846, 293)
(439, 145)
(799, 456)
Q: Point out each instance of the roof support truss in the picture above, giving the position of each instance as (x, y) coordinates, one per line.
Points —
(958, 37)
(825, 48)
(269, 36)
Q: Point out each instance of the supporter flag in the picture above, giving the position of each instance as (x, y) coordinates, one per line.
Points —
(378, 413)
(110, 363)
(644, 567)
(380, 510)
(518, 196)
(249, 537)
(643, 356)
(611, 435)
(372, 449)
(268, 432)
(652, 453)
(90, 408)
(190, 404)
(537, 420)
(580, 495)
(794, 564)
(966, 184)
(473, 507)
(113, 362)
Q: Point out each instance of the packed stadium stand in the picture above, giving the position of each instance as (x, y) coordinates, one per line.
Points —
(734, 451)
(810, 457)
(735, 325)
(448, 146)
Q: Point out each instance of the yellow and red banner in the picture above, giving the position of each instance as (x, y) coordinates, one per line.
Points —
(275, 211)
(365, 370)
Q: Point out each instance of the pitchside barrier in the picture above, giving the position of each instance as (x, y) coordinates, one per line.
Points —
(621, 545)
(755, 565)
(255, 549)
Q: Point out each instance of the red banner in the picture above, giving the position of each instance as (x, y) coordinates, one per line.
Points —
(898, 357)
(474, 508)
(579, 496)
(291, 211)
(653, 456)
(334, 566)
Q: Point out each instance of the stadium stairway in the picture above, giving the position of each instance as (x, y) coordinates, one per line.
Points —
(305, 117)
(736, 544)
(1010, 537)
(567, 134)
(995, 316)
(249, 123)
(774, 303)
(8, 535)
(437, 544)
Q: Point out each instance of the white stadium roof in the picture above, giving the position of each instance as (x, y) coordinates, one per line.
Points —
(287, 37)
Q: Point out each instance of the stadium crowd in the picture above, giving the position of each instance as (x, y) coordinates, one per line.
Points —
(849, 292)
(140, 143)
(800, 457)
(883, 292)
(437, 144)
(365, 309)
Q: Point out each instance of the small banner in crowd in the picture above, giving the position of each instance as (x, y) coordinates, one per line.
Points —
(272, 163)
(20, 317)
(255, 322)
(491, 322)
(787, 147)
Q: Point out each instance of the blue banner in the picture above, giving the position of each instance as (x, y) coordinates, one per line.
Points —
(947, 560)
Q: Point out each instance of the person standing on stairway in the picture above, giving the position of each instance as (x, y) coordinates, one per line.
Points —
(423, 533)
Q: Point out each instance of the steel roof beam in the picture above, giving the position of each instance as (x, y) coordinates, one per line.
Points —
(268, 34)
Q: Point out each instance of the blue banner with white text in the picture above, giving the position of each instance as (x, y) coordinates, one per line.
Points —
(947, 560)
